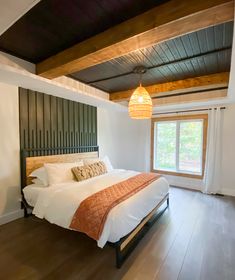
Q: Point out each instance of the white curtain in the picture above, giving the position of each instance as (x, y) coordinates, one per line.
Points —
(212, 176)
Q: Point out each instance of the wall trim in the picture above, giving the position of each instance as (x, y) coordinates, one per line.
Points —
(227, 191)
(186, 187)
(11, 216)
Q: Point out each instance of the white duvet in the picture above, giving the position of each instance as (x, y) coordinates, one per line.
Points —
(58, 203)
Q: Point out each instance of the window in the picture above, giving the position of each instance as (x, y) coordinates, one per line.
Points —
(179, 145)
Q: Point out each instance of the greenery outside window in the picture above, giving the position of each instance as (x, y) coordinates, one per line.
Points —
(179, 145)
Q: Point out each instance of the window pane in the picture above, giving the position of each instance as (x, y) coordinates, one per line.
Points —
(165, 145)
(190, 146)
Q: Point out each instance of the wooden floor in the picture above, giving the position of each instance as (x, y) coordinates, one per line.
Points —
(194, 239)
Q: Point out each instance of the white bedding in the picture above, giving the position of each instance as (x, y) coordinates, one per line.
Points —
(31, 193)
(58, 203)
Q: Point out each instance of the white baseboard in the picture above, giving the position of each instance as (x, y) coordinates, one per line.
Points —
(187, 187)
(229, 192)
(8, 217)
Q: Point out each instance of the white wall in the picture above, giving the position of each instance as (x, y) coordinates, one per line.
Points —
(124, 140)
(9, 154)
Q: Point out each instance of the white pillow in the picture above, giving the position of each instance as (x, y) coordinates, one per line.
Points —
(105, 160)
(108, 164)
(37, 181)
(60, 172)
(41, 174)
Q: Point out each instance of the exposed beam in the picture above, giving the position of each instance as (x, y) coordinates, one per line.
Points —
(171, 19)
(194, 84)
(188, 97)
(204, 90)
(192, 97)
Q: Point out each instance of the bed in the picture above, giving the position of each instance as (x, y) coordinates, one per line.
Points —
(126, 223)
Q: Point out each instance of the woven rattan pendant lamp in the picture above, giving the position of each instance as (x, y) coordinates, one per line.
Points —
(140, 104)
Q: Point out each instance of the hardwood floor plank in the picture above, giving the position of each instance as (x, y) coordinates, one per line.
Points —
(219, 250)
(191, 266)
(171, 265)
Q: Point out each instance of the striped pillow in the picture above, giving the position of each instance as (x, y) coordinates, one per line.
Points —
(88, 171)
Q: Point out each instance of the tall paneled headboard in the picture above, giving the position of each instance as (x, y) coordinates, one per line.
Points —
(51, 122)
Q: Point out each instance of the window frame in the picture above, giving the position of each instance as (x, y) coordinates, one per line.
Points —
(203, 117)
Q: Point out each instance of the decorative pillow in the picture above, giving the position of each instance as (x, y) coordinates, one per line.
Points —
(41, 174)
(60, 172)
(89, 171)
(105, 159)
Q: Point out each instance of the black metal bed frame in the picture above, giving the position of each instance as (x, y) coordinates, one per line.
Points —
(126, 244)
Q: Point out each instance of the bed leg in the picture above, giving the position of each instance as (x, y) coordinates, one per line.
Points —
(24, 206)
(25, 209)
(168, 201)
(119, 259)
(26, 215)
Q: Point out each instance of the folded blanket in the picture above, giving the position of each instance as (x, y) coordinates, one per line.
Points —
(91, 214)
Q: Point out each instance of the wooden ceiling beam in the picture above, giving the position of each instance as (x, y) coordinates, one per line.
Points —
(198, 83)
(171, 19)
(202, 96)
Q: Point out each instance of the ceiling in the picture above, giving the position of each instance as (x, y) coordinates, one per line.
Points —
(8, 15)
(199, 53)
(54, 25)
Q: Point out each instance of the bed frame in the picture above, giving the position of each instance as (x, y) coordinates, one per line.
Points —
(127, 244)
(32, 159)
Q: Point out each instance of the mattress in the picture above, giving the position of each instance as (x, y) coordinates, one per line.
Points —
(58, 203)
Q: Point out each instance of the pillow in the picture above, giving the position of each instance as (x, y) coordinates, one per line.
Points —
(41, 174)
(89, 171)
(60, 172)
(107, 163)
(105, 160)
(37, 181)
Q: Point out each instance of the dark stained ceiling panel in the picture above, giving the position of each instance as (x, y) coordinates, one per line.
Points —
(200, 53)
(54, 25)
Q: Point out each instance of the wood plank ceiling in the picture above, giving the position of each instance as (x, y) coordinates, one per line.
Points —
(53, 26)
(200, 53)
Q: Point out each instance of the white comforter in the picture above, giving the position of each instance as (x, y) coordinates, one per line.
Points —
(58, 203)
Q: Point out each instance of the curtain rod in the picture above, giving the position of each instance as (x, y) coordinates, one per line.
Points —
(187, 111)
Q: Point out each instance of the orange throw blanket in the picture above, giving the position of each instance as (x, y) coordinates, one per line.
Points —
(91, 214)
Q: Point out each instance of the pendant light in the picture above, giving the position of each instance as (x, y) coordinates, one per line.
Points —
(140, 104)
